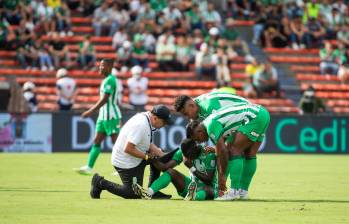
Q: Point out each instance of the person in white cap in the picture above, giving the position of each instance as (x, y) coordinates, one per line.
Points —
(204, 64)
(30, 96)
(138, 86)
(65, 89)
(124, 54)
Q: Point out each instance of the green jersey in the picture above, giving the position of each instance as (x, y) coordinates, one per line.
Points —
(226, 121)
(210, 102)
(205, 163)
(110, 109)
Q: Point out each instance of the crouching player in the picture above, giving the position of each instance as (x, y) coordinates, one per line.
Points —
(202, 183)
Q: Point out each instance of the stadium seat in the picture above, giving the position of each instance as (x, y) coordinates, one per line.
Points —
(301, 68)
(290, 51)
(287, 59)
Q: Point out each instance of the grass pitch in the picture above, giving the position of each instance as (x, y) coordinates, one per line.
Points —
(42, 188)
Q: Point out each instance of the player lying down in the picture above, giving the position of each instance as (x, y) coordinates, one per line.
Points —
(202, 183)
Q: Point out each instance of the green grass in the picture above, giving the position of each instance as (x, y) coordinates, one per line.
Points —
(42, 188)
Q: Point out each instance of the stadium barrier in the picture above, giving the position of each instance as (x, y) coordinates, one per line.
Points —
(68, 132)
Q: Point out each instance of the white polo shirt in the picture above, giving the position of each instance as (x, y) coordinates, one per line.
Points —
(136, 130)
(67, 85)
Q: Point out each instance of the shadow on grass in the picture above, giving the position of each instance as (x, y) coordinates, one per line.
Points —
(34, 190)
(297, 200)
(276, 200)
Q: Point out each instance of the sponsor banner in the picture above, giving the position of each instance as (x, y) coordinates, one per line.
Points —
(25, 133)
(73, 133)
(68, 132)
(308, 134)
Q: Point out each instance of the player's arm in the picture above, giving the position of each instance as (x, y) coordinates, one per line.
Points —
(164, 166)
(155, 151)
(177, 159)
(222, 161)
(206, 178)
(98, 105)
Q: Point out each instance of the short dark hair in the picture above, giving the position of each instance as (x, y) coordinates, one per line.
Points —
(180, 101)
(108, 61)
(191, 127)
(188, 147)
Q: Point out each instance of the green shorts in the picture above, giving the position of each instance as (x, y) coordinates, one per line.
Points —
(256, 128)
(108, 127)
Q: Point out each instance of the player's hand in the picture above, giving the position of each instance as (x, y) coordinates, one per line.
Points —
(210, 149)
(86, 114)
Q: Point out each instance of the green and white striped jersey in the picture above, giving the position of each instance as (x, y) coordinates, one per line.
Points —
(205, 163)
(210, 102)
(110, 110)
(227, 120)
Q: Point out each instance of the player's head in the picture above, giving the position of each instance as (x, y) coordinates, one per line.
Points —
(106, 66)
(190, 149)
(186, 106)
(197, 131)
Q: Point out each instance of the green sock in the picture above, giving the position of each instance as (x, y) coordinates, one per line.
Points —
(235, 170)
(249, 170)
(200, 195)
(93, 155)
(163, 181)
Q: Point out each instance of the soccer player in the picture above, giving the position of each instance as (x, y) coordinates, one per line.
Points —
(238, 130)
(109, 118)
(202, 185)
(202, 106)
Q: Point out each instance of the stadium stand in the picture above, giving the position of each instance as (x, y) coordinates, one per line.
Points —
(163, 86)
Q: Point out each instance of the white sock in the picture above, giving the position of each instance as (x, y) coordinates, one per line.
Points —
(150, 191)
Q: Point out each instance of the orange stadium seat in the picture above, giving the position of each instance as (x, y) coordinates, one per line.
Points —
(301, 68)
(290, 51)
(316, 77)
(286, 59)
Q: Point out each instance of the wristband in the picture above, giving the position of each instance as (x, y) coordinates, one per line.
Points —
(192, 169)
(146, 157)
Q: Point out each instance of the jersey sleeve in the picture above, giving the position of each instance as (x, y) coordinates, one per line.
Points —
(214, 129)
(178, 157)
(108, 86)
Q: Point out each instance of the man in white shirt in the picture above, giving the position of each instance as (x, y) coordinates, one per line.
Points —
(132, 151)
(66, 90)
(138, 86)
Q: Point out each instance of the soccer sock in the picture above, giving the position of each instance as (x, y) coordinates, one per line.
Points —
(163, 181)
(235, 170)
(200, 195)
(248, 172)
(93, 155)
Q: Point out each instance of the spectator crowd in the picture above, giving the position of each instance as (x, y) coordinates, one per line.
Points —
(181, 35)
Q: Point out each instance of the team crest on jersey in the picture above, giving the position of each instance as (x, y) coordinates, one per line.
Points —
(108, 87)
(199, 165)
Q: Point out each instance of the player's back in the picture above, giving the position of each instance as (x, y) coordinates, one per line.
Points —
(210, 102)
(228, 119)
